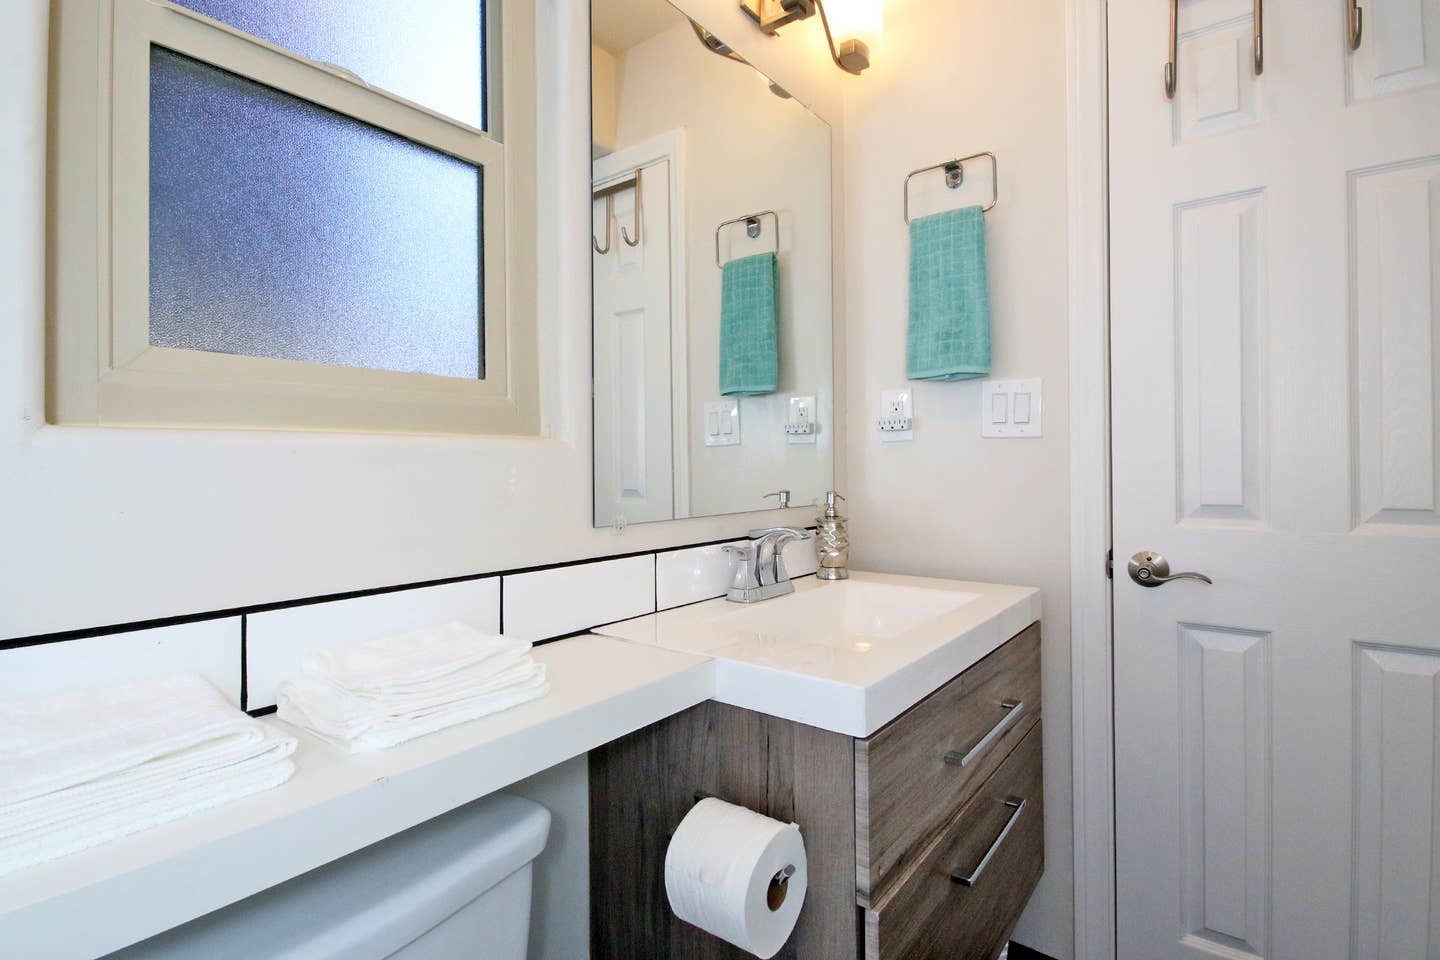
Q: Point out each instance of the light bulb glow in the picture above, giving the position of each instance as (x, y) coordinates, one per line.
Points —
(861, 20)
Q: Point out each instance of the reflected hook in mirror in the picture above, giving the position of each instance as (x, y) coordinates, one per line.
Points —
(609, 219)
(639, 208)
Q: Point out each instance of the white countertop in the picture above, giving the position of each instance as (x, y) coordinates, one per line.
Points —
(121, 892)
(847, 656)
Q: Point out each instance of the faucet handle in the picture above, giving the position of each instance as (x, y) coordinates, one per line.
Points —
(746, 575)
(782, 495)
(780, 533)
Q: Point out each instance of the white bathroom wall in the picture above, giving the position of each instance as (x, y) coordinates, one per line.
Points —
(604, 99)
(107, 526)
(955, 77)
(560, 892)
(745, 150)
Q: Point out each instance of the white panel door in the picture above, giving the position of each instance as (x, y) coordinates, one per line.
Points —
(1275, 270)
(634, 473)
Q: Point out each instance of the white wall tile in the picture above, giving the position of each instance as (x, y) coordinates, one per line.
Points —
(800, 557)
(550, 603)
(703, 573)
(699, 573)
(210, 648)
(276, 640)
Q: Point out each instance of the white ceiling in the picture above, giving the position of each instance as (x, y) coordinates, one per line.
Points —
(618, 25)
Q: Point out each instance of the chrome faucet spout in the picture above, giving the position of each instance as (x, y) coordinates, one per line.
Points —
(762, 573)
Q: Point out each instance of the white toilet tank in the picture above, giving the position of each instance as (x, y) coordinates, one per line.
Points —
(454, 888)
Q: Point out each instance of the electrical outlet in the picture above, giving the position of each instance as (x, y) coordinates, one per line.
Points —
(802, 426)
(896, 421)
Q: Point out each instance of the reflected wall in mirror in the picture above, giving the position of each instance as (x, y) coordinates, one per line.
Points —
(711, 243)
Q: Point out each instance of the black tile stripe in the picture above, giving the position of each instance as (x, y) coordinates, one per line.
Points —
(244, 665)
(242, 611)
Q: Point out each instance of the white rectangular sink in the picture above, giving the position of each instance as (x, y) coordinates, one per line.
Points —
(848, 655)
(845, 613)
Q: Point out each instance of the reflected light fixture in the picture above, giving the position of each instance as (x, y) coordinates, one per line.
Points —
(852, 27)
(720, 48)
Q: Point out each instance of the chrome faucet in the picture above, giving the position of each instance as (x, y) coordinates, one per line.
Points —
(760, 574)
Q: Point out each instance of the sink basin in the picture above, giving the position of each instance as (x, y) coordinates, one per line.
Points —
(845, 613)
(847, 656)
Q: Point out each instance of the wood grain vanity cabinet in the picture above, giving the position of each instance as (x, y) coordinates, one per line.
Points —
(924, 840)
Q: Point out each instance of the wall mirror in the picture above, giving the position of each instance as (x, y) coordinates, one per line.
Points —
(711, 252)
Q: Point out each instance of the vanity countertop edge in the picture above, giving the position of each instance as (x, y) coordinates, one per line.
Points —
(602, 688)
(336, 803)
(836, 688)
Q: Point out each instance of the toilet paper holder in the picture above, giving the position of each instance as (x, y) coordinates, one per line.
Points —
(779, 887)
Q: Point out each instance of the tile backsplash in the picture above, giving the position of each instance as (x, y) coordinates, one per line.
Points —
(550, 603)
(211, 648)
(276, 640)
(247, 653)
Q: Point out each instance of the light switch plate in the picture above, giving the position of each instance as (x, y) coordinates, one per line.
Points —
(1010, 408)
(801, 426)
(897, 415)
(722, 423)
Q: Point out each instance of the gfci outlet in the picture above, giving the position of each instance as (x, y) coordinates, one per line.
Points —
(896, 415)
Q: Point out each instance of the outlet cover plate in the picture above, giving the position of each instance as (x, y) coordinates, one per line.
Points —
(897, 415)
(802, 425)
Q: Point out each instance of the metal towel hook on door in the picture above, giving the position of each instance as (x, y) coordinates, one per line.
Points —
(1257, 48)
(1259, 28)
(1355, 24)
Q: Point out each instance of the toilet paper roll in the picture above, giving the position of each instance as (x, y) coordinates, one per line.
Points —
(737, 874)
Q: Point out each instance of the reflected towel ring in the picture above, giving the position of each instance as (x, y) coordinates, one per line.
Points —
(752, 229)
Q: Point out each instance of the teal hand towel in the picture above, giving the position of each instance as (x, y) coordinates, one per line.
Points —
(749, 326)
(949, 337)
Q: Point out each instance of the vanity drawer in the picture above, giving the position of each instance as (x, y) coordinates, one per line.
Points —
(962, 899)
(914, 774)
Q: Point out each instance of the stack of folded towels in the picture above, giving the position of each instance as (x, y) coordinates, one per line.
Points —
(374, 694)
(79, 769)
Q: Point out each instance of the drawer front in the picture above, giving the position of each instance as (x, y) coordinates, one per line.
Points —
(913, 775)
(963, 898)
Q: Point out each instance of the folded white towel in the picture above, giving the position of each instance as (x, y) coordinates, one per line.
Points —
(81, 768)
(405, 660)
(377, 693)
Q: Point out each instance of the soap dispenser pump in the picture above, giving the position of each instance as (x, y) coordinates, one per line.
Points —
(832, 541)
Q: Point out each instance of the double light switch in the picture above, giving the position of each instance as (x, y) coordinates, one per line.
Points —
(1010, 408)
(722, 423)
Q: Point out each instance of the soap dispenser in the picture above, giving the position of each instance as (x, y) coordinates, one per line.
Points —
(832, 541)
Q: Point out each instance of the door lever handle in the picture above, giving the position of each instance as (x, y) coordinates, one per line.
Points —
(1150, 569)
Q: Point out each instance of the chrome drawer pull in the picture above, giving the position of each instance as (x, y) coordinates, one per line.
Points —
(1012, 710)
(973, 877)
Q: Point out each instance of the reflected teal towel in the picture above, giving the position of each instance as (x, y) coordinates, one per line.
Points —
(749, 326)
(949, 297)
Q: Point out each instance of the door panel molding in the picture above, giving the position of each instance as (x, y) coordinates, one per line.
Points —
(1225, 813)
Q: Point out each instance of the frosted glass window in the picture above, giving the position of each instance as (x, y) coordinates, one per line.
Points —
(282, 229)
(428, 51)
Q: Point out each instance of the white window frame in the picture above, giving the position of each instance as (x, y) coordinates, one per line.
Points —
(102, 367)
